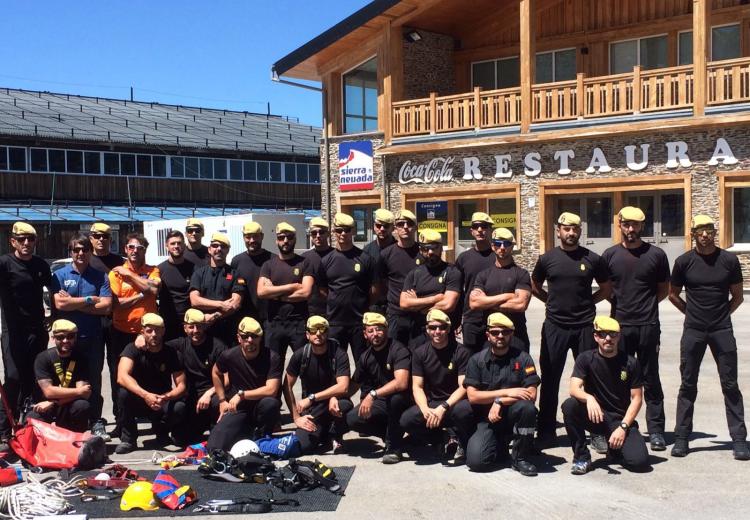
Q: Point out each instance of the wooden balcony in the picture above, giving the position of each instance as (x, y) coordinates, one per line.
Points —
(584, 98)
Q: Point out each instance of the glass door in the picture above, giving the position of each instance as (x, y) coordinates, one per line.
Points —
(462, 225)
(596, 219)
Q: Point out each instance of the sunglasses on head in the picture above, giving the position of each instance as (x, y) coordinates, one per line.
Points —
(100, 236)
(602, 334)
(64, 336)
(480, 225)
(497, 332)
(442, 326)
(25, 238)
(317, 232)
(134, 247)
(502, 243)
(248, 335)
(342, 230)
(317, 330)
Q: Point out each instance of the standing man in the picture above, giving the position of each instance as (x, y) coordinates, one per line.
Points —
(174, 293)
(382, 376)
(198, 352)
(606, 393)
(319, 234)
(346, 273)
(195, 252)
(152, 383)
(438, 367)
(396, 261)
(640, 280)
(569, 271)
(323, 370)
(713, 283)
(433, 285)
(247, 266)
(82, 295)
(23, 276)
(216, 290)
(383, 229)
(286, 282)
(249, 405)
(103, 259)
(470, 263)
(501, 384)
(504, 287)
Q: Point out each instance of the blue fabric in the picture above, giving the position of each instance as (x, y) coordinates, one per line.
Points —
(90, 283)
(283, 447)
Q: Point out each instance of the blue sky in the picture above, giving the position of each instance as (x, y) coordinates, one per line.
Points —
(214, 53)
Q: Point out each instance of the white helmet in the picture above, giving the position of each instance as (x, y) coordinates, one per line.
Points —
(243, 447)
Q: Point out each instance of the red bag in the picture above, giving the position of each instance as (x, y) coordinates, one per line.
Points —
(49, 446)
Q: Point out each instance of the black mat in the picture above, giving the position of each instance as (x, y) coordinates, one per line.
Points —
(317, 499)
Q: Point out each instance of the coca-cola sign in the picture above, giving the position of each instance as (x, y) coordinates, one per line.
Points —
(439, 169)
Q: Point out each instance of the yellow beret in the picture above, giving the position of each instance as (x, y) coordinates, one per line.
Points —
(374, 318)
(405, 214)
(63, 326)
(498, 319)
(702, 220)
(632, 213)
(285, 227)
(481, 216)
(438, 315)
(383, 216)
(100, 227)
(569, 219)
(151, 319)
(250, 325)
(606, 324)
(251, 227)
(318, 222)
(194, 316)
(22, 228)
(502, 233)
(316, 321)
(221, 237)
(194, 222)
(344, 220)
(430, 236)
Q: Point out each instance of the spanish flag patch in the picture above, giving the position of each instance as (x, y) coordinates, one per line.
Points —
(530, 370)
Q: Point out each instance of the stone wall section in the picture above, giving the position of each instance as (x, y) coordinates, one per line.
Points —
(428, 66)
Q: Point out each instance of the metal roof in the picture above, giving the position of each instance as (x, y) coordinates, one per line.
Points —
(81, 118)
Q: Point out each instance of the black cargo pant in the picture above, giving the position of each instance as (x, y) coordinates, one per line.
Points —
(724, 350)
(198, 421)
(460, 417)
(642, 342)
(399, 327)
(170, 418)
(92, 348)
(556, 341)
(349, 334)
(576, 418)
(326, 424)
(280, 334)
(384, 420)
(259, 415)
(74, 415)
(118, 340)
(518, 420)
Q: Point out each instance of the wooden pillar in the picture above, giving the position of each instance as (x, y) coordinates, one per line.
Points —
(390, 75)
(701, 52)
(528, 59)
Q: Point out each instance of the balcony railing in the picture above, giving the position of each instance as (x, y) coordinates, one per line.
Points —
(583, 98)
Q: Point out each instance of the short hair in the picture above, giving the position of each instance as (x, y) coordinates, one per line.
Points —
(137, 236)
(80, 239)
(175, 233)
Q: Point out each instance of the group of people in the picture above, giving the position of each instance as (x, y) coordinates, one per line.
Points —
(441, 351)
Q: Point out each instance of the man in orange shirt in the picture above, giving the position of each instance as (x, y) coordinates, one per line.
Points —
(134, 288)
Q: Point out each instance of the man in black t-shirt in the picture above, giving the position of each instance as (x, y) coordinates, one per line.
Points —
(382, 376)
(247, 266)
(640, 280)
(285, 282)
(382, 227)
(501, 384)
(472, 262)
(318, 232)
(504, 287)
(323, 369)
(569, 271)
(198, 352)
(23, 277)
(712, 279)
(195, 252)
(347, 274)
(396, 261)
(432, 285)
(62, 377)
(249, 405)
(174, 292)
(152, 384)
(438, 367)
(217, 290)
(606, 393)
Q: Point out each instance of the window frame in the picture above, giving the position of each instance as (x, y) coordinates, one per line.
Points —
(710, 43)
(638, 49)
(554, 64)
(343, 99)
(495, 61)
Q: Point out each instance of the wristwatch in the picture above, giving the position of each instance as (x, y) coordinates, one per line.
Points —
(89, 300)
(241, 394)
(373, 393)
(445, 405)
(624, 425)
(311, 397)
(498, 401)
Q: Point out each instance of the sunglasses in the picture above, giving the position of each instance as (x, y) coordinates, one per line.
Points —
(24, 238)
(68, 335)
(498, 332)
(707, 230)
(281, 238)
(317, 232)
(342, 230)
(134, 247)
(193, 230)
(442, 326)
(317, 330)
(248, 335)
(502, 243)
(382, 226)
(100, 236)
(428, 247)
(404, 224)
(78, 250)
(217, 245)
(480, 225)
(602, 334)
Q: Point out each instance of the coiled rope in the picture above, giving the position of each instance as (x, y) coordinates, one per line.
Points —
(32, 498)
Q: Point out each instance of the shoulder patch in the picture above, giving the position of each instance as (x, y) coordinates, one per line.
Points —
(357, 268)
(296, 271)
(583, 266)
(530, 370)
(624, 375)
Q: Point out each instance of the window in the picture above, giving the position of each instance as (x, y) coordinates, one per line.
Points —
(17, 159)
(556, 66)
(503, 214)
(361, 98)
(725, 44)
(649, 53)
(177, 167)
(249, 170)
(207, 169)
(290, 172)
(220, 168)
(111, 163)
(3, 158)
(159, 168)
(191, 167)
(301, 173)
(38, 159)
(495, 74)
(314, 170)
(741, 216)
(92, 163)
(144, 166)
(56, 160)
(235, 170)
(75, 161)
(275, 172)
(262, 171)
(127, 164)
